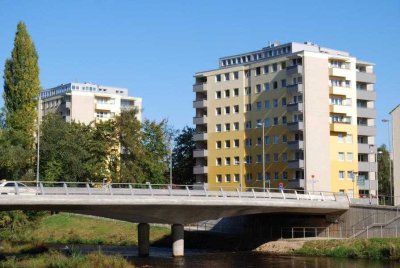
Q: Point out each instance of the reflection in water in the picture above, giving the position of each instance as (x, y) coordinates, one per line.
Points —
(161, 257)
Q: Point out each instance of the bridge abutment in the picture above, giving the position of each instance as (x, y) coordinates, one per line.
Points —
(143, 239)
(177, 240)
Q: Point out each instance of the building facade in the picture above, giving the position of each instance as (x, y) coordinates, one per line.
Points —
(395, 152)
(87, 102)
(315, 107)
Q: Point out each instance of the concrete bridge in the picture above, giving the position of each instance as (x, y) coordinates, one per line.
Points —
(176, 205)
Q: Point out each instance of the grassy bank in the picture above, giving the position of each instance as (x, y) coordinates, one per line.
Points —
(373, 248)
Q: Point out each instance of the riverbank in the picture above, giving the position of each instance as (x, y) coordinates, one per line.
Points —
(372, 248)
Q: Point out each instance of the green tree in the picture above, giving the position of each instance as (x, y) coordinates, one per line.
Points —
(182, 157)
(21, 91)
(383, 171)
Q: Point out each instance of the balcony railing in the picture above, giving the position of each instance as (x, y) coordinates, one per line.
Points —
(296, 164)
(295, 126)
(200, 87)
(295, 107)
(294, 69)
(295, 88)
(296, 145)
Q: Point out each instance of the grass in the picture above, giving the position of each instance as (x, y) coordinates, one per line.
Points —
(69, 228)
(373, 248)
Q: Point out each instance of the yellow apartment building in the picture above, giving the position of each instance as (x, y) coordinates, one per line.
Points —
(315, 106)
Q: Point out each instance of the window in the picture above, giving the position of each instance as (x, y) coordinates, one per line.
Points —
(276, 157)
(276, 176)
(236, 126)
(284, 157)
(266, 86)
(283, 101)
(218, 144)
(236, 75)
(276, 139)
(275, 103)
(284, 120)
(340, 137)
(218, 94)
(283, 83)
(228, 178)
(341, 156)
(247, 73)
(285, 175)
(218, 78)
(274, 67)
(236, 178)
(227, 127)
(218, 111)
(275, 85)
(266, 138)
(248, 124)
(266, 69)
(218, 161)
(266, 104)
(218, 128)
(227, 76)
(227, 93)
(248, 107)
(267, 158)
(259, 158)
(247, 90)
(219, 178)
(276, 121)
(258, 105)
(341, 174)
(227, 110)
(349, 138)
(258, 71)
(249, 177)
(227, 161)
(236, 160)
(227, 144)
(258, 88)
(349, 157)
(247, 142)
(248, 159)
(284, 138)
(267, 176)
(236, 143)
(236, 109)
(235, 92)
(283, 63)
(259, 141)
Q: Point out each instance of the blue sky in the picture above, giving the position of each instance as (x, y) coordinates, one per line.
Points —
(155, 47)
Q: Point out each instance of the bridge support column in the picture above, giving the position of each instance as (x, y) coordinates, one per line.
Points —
(143, 239)
(177, 240)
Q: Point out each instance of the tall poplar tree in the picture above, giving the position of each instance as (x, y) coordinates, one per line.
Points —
(21, 89)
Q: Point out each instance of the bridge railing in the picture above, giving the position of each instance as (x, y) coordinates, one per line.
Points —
(147, 189)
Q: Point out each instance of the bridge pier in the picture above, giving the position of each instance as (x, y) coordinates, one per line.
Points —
(177, 240)
(143, 239)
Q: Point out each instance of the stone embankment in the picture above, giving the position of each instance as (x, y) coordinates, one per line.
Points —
(280, 247)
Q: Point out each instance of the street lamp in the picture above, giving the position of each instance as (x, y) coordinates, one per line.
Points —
(390, 160)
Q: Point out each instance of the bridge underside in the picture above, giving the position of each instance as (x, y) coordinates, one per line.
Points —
(168, 210)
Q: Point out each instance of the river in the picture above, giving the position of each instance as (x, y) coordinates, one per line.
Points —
(161, 257)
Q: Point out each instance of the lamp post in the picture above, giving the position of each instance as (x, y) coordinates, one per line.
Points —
(38, 145)
(390, 161)
(371, 151)
(263, 153)
(377, 173)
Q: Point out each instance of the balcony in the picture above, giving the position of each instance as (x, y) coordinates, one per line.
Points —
(340, 72)
(295, 107)
(340, 109)
(366, 112)
(368, 95)
(104, 106)
(296, 88)
(296, 183)
(364, 148)
(363, 184)
(200, 120)
(197, 170)
(200, 87)
(340, 127)
(296, 164)
(366, 77)
(296, 145)
(367, 167)
(200, 153)
(366, 130)
(295, 126)
(200, 136)
(295, 69)
(341, 91)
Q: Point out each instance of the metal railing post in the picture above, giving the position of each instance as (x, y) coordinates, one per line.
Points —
(150, 189)
(187, 190)
(283, 194)
(65, 188)
(222, 192)
(269, 194)
(238, 192)
(169, 190)
(16, 188)
(254, 194)
(41, 188)
(297, 196)
(205, 190)
(88, 188)
(131, 189)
